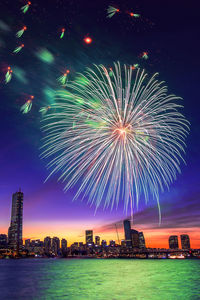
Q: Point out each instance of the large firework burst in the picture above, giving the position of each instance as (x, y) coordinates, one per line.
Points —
(119, 136)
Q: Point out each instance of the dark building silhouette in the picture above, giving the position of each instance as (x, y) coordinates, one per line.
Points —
(15, 229)
(123, 243)
(127, 233)
(47, 245)
(81, 245)
(103, 243)
(185, 241)
(55, 246)
(135, 238)
(64, 244)
(3, 241)
(112, 243)
(173, 242)
(27, 244)
(89, 237)
(97, 240)
(141, 240)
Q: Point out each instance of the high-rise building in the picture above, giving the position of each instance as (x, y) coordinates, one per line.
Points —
(173, 242)
(47, 245)
(97, 240)
(112, 243)
(89, 237)
(185, 241)
(123, 243)
(135, 238)
(81, 245)
(64, 244)
(15, 229)
(27, 244)
(55, 245)
(103, 243)
(127, 233)
(3, 241)
(141, 241)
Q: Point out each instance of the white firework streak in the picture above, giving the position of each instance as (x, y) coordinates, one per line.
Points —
(122, 137)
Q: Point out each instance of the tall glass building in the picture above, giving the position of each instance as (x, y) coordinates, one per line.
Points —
(47, 245)
(185, 241)
(55, 246)
(3, 241)
(127, 233)
(15, 229)
(97, 240)
(173, 242)
(141, 240)
(89, 237)
(135, 238)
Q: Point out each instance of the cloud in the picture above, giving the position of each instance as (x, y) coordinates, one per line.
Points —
(184, 213)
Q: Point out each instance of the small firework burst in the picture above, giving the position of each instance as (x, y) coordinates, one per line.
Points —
(26, 107)
(8, 75)
(25, 8)
(63, 79)
(111, 11)
(18, 49)
(21, 32)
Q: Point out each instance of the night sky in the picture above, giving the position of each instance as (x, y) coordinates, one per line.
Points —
(169, 31)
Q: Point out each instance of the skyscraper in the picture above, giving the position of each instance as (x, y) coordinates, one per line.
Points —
(55, 245)
(141, 241)
(15, 229)
(103, 243)
(135, 238)
(173, 242)
(112, 243)
(89, 237)
(27, 244)
(3, 241)
(64, 244)
(185, 241)
(47, 245)
(127, 232)
(97, 240)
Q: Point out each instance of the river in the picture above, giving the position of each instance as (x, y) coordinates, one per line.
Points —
(100, 279)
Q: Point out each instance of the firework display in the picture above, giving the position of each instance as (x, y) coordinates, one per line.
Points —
(25, 8)
(109, 131)
(44, 110)
(111, 11)
(134, 15)
(8, 75)
(18, 49)
(62, 33)
(27, 106)
(118, 138)
(21, 32)
(88, 40)
(135, 66)
(145, 55)
(63, 79)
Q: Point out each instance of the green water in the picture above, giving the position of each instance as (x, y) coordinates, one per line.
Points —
(99, 279)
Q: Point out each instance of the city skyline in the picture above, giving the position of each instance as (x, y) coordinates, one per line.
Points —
(47, 209)
(130, 236)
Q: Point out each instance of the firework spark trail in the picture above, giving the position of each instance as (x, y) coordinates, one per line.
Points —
(26, 107)
(127, 140)
(111, 11)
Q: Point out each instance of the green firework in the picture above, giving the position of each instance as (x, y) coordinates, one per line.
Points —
(25, 8)
(63, 79)
(20, 32)
(8, 77)
(18, 49)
